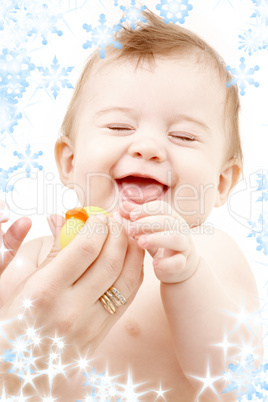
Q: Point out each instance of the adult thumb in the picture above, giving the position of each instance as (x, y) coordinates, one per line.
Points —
(55, 223)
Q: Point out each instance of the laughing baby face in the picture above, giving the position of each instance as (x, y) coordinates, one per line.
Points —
(146, 133)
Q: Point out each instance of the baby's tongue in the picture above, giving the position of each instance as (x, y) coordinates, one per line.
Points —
(141, 190)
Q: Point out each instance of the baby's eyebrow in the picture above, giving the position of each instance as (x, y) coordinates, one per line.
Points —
(185, 117)
(114, 109)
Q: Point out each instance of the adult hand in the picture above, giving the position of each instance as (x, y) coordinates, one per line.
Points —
(12, 239)
(65, 293)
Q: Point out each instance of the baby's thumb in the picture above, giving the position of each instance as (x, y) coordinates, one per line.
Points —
(55, 223)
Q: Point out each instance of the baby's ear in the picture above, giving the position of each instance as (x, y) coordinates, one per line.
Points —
(64, 155)
(227, 180)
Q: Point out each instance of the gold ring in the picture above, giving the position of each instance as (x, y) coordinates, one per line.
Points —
(112, 299)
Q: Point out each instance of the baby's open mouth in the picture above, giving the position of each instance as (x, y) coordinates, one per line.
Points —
(140, 189)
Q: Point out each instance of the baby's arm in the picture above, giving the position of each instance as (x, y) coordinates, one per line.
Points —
(205, 285)
(207, 310)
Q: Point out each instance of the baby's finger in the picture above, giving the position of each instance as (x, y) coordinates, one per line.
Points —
(160, 223)
(167, 240)
(173, 269)
(158, 207)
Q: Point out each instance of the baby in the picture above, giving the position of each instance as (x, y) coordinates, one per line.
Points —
(151, 135)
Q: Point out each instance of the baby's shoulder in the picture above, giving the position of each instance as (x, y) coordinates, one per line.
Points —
(226, 260)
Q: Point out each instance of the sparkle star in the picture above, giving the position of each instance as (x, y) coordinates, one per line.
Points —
(3, 250)
(243, 318)
(225, 345)
(129, 390)
(161, 392)
(208, 382)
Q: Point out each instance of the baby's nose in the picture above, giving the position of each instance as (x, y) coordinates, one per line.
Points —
(148, 149)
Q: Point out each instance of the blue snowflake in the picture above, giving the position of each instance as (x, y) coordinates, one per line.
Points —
(4, 179)
(15, 68)
(260, 11)
(55, 77)
(41, 22)
(102, 36)
(133, 14)
(9, 116)
(262, 185)
(250, 42)
(8, 355)
(243, 380)
(93, 378)
(242, 76)
(259, 230)
(7, 13)
(28, 160)
(174, 10)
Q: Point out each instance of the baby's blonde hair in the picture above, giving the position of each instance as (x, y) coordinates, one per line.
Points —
(155, 38)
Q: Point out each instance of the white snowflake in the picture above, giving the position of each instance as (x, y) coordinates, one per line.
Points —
(102, 36)
(55, 77)
(174, 10)
(242, 76)
(133, 14)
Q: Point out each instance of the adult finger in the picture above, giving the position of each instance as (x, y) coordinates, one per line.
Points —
(74, 260)
(55, 223)
(4, 212)
(13, 238)
(107, 268)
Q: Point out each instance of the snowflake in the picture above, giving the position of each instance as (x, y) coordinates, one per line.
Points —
(7, 13)
(174, 10)
(15, 68)
(40, 22)
(133, 14)
(55, 77)
(263, 186)
(4, 178)
(242, 76)
(28, 160)
(34, 19)
(93, 379)
(102, 36)
(260, 11)
(250, 42)
(8, 355)
(244, 378)
(259, 230)
(9, 116)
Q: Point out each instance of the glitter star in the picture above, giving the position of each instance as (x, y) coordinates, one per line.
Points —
(161, 392)
(207, 382)
(243, 318)
(3, 250)
(225, 345)
(129, 390)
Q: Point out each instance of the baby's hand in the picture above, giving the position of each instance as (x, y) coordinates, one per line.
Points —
(166, 236)
(12, 239)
